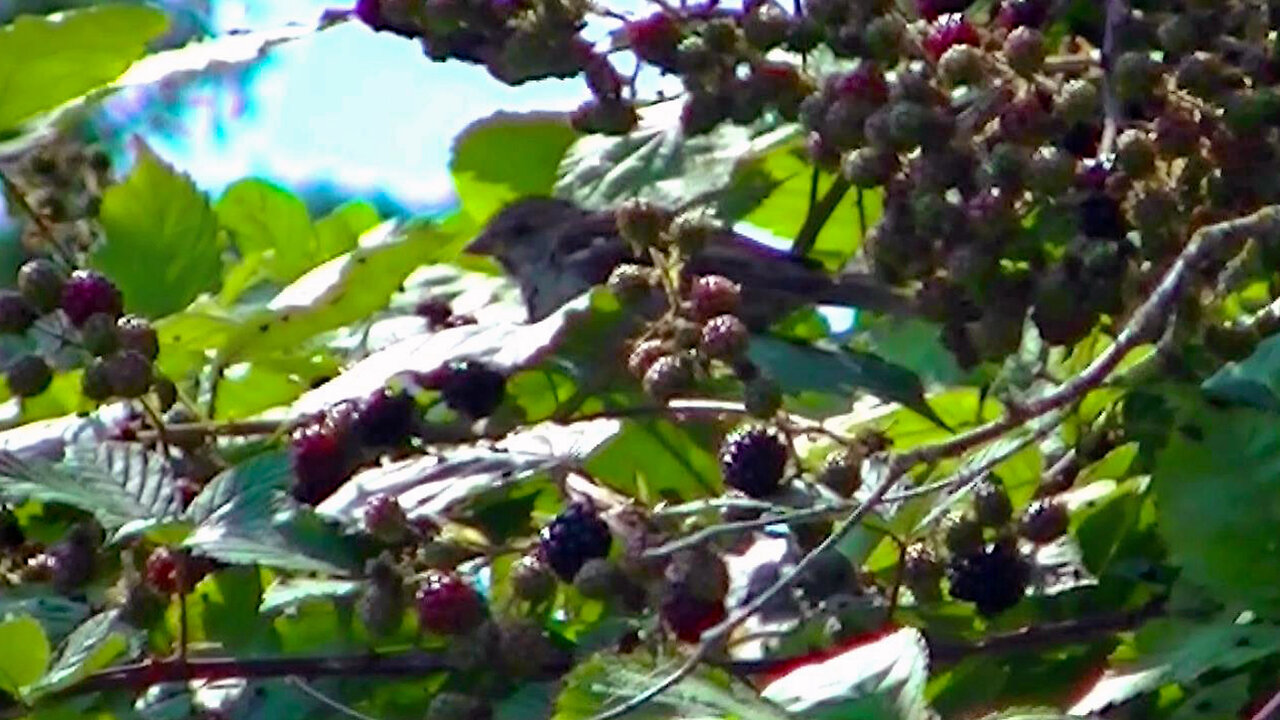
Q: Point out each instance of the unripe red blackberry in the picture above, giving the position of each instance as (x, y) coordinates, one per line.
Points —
(762, 397)
(469, 387)
(95, 383)
(137, 334)
(321, 454)
(1135, 153)
(16, 313)
(961, 65)
(947, 31)
(172, 572)
(630, 283)
(864, 84)
(40, 282)
(98, 335)
(447, 605)
(644, 355)
(655, 39)
(28, 375)
(702, 111)
(991, 504)
(385, 418)
(1024, 50)
(961, 534)
(725, 337)
(922, 572)
(87, 292)
(1077, 102)
(699, 573)
(385, 520)
(688, 616)
(641, 224)
(611, 116)
(1052, 171)
(382, 602)
(130, 374)
(753, 460)
(1023, 13)
(841, 472)
(572, 538)
(669, 376)
(1044, 521)
(532, 581)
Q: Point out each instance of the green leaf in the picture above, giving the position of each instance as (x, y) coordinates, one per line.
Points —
(266, 219)
(1254, 381)
(505, 156)
(255, 482)
(658, 162)
(95, 644)
(275, 534)
(1222, 699)
(607, 679)
(653, 459)
(26, 654)
(56, 614)
(340, 230)
(247, 389)
(47, 61)
(881, 680)
(1219, 501)
(161, 248)
(288, 593)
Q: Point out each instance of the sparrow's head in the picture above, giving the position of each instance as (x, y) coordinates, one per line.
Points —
(515, 226)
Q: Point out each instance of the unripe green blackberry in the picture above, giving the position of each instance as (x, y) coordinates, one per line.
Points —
(805, 34)
(869, 167)
(28, 375)
(1024, 50)
(40, 282)
(630, 283)
(961, 534)
(961, 65)
(95, 383)
(669, 376)
(1078, 102)
(690, 231)
(1135, 153)
(1052, 171)
(98, 335)
(922, 572)
(762, 397)
(882, 38)
(841, 472)
(608, 116)
(724, 337)
(1202, 75)
(528, 653)
(1134, 76)
(532, 581)
(1044, 521)
(137, 334)
(645, 354)
(991, 504)
(130, 374)
(641, 223)
(753, 460)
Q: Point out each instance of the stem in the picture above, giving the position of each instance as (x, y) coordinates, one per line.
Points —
(1116, 11)
(818, 216)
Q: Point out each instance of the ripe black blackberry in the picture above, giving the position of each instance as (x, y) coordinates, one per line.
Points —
(385, 418)
(11, 535)
(28, 375)
(16, 312)
(40, 282)
(994, 578)
(87, 292)
(753, 460)
(447, 605)
(572, 538)
(470, 387)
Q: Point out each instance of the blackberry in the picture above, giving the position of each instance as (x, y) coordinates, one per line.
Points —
(766, 26)
(532, 581)
(869, 167)
(655, 39)
(690, 232)
(321, 454)
(669, 376)
(947, 31)
(1101, 217)
(95, 383)
(629, 282)
(385, 418)
(447, 605)
(528, 652)
(470, 387)
(1044, 521)
(922, 572)
(991, 504)
(882, 39)
(841, 472)
(1134, 76)
(642, 223)
(830, 574)
(714, 295)
(762, 397)
(40, 282)
(137, 334)
(572, 538)
(688, 616)
(961, 65)
(87, 292)
(609, 116)
(1135, 153)
(1024, 50)
(1023, 13)
(994, 578)
(753, 460)
(961, 534)
(130, 373)
(702, 111)
(385, 519)
(16, 313)
(171, 572)
(165, 392)
(382, 603)
(699, 573)
(644, 355)
(28, 375)
(98, 335)
(725, 337)
(1077, 102)
(1052, 171)
(598, 579)
(931, 9)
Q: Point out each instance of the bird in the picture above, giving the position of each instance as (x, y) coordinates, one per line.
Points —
(555, 250)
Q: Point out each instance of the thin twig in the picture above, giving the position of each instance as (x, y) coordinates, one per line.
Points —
(1268, 711)
(1116, 12)
(818, 216)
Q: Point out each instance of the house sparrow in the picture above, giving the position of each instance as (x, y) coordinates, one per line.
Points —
(556, 250)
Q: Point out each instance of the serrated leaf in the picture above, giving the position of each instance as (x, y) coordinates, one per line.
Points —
(607, 679)
(159, 215)
(26, 656)
(47, 61)
(253, 483)
(658, 162)
(117, 482)
(91, 647)
(489, 172)
(662, 458)
(266, 219)
(1218, 500)
(1254, 381)
(288, 593)
(276, 534)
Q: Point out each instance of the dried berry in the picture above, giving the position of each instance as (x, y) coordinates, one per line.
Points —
(630, 283)
(922, 572)
(991, 504)
(383, 601)
(841, 472)
(961, 534)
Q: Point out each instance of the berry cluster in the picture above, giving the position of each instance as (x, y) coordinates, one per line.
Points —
(328, 446)
(62, 183)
